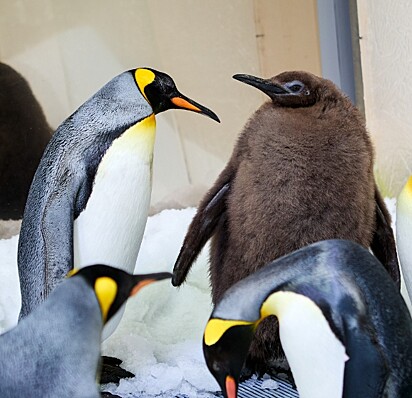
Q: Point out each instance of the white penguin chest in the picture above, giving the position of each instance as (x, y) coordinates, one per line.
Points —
(110, 228)
(315, 355)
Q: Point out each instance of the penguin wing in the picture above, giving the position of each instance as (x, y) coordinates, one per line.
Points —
(203, 224)
(383, 242)
(57, 228)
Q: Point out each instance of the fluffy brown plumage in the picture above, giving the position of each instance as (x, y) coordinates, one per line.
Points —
(301, 171)
(24, 133)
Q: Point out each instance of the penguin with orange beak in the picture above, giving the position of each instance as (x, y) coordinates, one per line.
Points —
(55, 350)
(90, 196)
(343, 324)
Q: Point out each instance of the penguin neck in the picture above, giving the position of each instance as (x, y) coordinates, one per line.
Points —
(315, 355)
(110, 228)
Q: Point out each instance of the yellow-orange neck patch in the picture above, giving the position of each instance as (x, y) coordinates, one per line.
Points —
(408, 185)
(143, 78)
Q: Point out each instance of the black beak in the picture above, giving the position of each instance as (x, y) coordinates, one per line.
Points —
(183, 102)
(264, 85)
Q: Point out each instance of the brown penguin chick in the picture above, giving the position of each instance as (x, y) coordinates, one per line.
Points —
(301, 171)
(24, 133)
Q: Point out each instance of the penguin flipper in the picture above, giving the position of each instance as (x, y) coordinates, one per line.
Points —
(61, 210)
(383, 242)
(58, 239)
(201, 228)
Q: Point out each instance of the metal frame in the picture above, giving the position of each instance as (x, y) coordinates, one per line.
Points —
(339, 46)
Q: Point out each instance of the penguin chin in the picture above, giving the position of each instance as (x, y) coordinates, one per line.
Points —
(293, 100)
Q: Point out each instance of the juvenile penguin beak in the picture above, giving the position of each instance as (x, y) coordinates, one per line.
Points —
(182, 102)
(146, 279)
(264, 85)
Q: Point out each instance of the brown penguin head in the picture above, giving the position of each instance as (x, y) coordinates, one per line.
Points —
(293, 89)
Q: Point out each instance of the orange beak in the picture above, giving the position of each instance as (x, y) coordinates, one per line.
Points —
(182, 102)
(146, 279)
(140, 285)
(231, 387)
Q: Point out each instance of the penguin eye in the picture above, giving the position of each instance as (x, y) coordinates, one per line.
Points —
(295, 87)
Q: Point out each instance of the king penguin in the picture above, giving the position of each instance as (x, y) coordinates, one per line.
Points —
(89, 199)
(301, 171)
(404, 233)
(55, 350)
(344, 326)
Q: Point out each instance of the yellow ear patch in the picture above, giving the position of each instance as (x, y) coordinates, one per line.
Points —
(143, 78)
(215, 329)
(106, 290)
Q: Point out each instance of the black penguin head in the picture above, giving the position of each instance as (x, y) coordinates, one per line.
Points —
(225, 346)
(292, 89)
(161, 92)
(114, 286)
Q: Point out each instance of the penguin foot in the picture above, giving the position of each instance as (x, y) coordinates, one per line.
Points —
(252, 368)
(112, 372)
(111, 361)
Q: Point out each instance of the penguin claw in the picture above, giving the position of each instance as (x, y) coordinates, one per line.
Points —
(112, 372)
(111, 361)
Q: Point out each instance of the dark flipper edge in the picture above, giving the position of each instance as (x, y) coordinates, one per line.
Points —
(200, 231)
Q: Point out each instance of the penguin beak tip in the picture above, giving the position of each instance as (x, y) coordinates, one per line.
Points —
(207, 112)
(214, 117)
(241, 77)
(182, 102)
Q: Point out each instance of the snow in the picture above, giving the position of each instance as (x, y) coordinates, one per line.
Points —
(160, 336)
(269, 384)
(10, 300)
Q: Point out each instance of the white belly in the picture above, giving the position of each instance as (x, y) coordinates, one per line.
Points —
(316, 357)
(110, 229)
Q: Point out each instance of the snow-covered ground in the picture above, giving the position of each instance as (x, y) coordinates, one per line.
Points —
(160, 336)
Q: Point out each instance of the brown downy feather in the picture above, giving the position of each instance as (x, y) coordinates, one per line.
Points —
(24, 133)
(301, 171)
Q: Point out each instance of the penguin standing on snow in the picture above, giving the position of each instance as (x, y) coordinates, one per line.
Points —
(90, 196)
(404, 233)
(302, 171)
(55, 350)
(344, 327)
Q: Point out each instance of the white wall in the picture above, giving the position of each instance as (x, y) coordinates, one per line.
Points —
(69, 49)
(386, 53)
